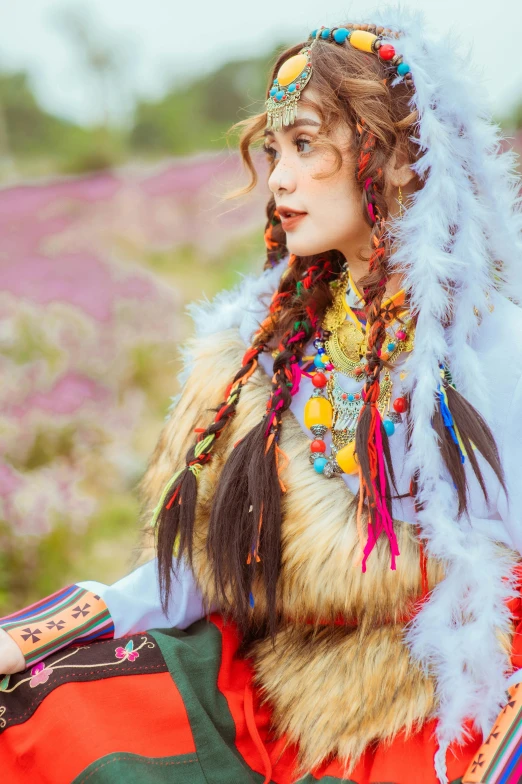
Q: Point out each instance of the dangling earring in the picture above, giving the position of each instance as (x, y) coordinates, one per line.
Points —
(400, 202)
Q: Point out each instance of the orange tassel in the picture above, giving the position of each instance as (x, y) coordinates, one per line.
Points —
(279, 467)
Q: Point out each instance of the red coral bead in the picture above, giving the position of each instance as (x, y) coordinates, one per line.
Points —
(387, 52)
(318, 446)
(319, 380)
(399, 405)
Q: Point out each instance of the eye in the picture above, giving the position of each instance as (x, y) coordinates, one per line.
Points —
(270, 152)
(299, 143)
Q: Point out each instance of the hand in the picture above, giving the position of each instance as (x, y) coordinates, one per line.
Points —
(11, 657)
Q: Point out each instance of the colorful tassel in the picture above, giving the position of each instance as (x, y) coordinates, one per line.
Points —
(376, 494)
(164, 494)
(448, 419)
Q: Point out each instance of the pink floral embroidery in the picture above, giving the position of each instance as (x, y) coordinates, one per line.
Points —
(127, 652)
(40, 674)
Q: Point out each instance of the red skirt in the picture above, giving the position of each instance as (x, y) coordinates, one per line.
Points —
(172, 705)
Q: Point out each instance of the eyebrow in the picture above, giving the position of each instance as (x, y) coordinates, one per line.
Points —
(296, 124)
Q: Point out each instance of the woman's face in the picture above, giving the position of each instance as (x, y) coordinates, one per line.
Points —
(333, 217)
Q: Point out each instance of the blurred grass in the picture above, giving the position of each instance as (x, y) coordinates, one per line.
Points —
(104, 550)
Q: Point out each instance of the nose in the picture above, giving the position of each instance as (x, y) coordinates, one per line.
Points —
(282, 179)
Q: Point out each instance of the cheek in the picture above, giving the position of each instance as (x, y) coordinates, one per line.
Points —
(337, 204)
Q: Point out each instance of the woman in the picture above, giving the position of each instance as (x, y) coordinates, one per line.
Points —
(345, 503)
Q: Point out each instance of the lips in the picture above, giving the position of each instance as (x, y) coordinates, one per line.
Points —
(290, 218)
(287, 212)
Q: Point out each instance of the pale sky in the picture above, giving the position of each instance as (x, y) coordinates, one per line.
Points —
(166, 39)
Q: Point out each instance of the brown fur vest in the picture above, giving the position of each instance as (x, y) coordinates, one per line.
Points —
(333, 689)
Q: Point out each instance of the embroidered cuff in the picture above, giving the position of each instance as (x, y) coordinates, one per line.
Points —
(70, 615)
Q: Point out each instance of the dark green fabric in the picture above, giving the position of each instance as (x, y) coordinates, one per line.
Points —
(193, 657)
(125, 768)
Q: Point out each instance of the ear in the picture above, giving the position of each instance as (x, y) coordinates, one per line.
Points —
(398, 169)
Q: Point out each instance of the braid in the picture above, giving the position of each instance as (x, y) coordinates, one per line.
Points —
(245, 523)
(175, 512)
(372, 446)
(460, 428)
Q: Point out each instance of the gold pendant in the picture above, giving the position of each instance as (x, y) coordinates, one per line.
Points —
(350, 340)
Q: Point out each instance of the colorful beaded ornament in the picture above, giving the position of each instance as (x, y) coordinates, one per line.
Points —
(341, 349)
(292, 77)
(294, 74)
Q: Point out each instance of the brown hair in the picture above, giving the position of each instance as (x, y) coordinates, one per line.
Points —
(245, 522)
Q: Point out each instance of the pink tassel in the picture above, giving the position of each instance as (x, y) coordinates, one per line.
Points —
(299, 335)
(383, 519)
(296, 379)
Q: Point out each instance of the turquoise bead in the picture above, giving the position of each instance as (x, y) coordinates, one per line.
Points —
(319, 464)
(279, 94)
(318, 362)
(341, 35)
(273, 91)
(275, 81)
(391, 346)
(389, 427)
(325, 33)
(291, 88)
(403, 69)
(351, 398)
(313, 33)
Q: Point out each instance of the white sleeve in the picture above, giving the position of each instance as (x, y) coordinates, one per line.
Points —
(511, 457)
(134, 601)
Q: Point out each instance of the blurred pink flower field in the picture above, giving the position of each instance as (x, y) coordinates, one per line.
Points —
(88, 325)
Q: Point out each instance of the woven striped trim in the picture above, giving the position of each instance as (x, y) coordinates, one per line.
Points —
(72, 614)
(499, 759)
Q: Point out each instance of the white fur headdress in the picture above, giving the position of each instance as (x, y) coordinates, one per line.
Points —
(465, 218)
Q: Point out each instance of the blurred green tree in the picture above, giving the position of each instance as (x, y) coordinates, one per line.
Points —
(197, 115)
(27, 128)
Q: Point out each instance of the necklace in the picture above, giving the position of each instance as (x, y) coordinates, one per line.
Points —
(341, 347)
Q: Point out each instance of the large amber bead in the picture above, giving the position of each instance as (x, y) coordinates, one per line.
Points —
(318, 411)
(362, 40)
(291, 69)
(346, 458)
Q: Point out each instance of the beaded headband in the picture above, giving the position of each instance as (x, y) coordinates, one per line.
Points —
(294, 74)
